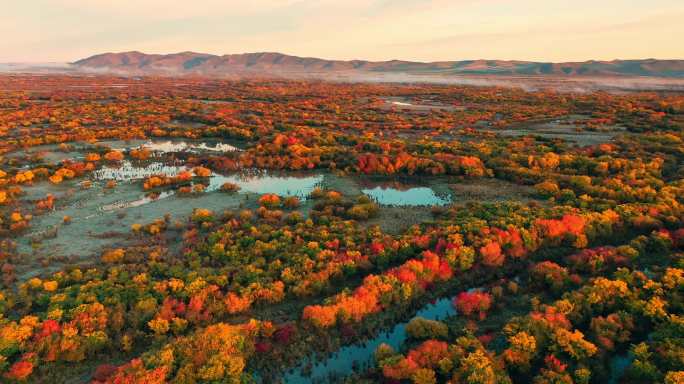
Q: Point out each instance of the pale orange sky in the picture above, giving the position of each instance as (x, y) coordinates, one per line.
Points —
(423, 30)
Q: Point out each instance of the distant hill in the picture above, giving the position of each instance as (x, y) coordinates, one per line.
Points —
(271, 63)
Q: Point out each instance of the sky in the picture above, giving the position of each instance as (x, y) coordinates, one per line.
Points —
(420, 30)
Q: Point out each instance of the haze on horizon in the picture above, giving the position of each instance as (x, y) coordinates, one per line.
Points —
(420, 30)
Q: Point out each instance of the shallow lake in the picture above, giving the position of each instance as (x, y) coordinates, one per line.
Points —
(257, 182)
(413, 196)
(186, 146)
(172, 146)
(402, 103)
(282, 185)
(127, 171)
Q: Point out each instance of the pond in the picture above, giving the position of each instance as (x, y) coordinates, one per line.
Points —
(262, 183)
(361, 355)
(127, 171)
(618, 366)
(413, 196)
(185, 146)
(285, 184)
(171, 146)
(256, 182)
(402, 103)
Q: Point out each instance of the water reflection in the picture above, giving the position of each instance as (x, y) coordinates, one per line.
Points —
(400, 103)
(618, 366)
(416, 196)
(172, 146)
(249, 182)
(185, 146)
(128, 172)
(361, 355)
(262, 183)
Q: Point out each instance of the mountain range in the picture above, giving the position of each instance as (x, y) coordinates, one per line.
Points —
(278, 64)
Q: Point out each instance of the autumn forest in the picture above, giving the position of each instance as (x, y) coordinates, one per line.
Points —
(192, 230)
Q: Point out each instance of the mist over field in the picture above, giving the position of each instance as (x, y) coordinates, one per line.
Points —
(638, 75)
